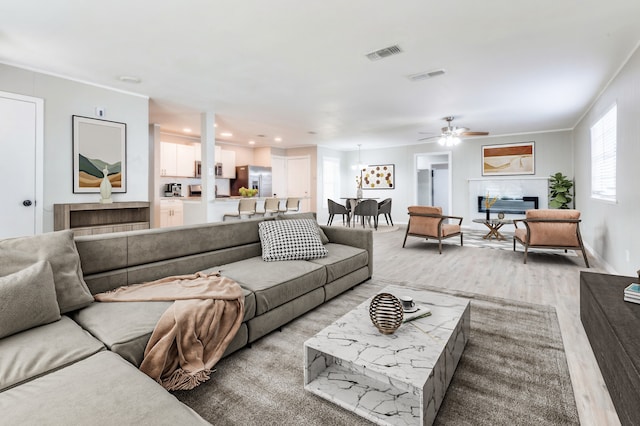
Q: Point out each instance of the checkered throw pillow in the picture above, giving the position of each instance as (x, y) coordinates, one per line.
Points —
(296, 239)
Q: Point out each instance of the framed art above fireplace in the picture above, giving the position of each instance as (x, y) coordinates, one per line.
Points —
(508, 159)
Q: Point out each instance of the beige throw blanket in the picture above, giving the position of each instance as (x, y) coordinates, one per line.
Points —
(194, 332)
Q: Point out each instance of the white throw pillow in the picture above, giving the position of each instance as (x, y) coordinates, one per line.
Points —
(295, 239)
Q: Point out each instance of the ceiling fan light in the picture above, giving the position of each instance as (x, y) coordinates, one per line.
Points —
(442, 141)
(456, 140)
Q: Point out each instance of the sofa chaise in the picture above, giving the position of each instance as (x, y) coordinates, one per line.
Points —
(79, 365)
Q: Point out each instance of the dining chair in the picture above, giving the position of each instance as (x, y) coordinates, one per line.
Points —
(246, 207)
(368, 209)
(334, 209)
(384, 207)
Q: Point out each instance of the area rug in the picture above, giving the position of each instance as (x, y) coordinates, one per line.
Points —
(513, 371)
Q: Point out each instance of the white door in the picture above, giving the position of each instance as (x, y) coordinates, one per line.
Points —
(299, 180)
(20, 150)
(440, 184)
(279, 176)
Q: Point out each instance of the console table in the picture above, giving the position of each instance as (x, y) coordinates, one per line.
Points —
(613, 328)
(96, 218)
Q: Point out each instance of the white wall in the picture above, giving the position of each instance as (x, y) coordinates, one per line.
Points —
(64, 98)
(611, 229)
(553, 154)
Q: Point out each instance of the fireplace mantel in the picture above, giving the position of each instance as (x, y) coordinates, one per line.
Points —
(510, 187)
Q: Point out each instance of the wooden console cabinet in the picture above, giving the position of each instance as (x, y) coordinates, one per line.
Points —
(96, 218)
(613, 328)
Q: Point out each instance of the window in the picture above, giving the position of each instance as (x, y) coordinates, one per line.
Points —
(330, 180)
(603, 156)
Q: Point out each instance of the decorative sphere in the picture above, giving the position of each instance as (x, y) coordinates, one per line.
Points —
(386, 313)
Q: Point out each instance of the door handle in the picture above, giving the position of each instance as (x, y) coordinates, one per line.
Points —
(26, 203)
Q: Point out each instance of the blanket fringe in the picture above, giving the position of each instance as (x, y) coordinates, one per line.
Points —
(183, 380)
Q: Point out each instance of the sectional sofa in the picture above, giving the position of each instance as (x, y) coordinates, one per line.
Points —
(65, 359)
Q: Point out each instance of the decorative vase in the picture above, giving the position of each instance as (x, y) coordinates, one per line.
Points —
(359, 193)
(488, 211)
(105, 188)
(386, 313)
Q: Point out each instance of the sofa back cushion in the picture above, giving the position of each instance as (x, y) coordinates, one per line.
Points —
(59, 249)
(560, 234)
(27, 299)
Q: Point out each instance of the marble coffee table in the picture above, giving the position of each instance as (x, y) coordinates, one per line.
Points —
(395, 379)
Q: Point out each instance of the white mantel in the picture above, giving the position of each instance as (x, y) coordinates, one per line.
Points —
(506, 186)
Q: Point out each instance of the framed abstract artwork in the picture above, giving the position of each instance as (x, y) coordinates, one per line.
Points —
(508, 159)
(378, 176)
(99, 148)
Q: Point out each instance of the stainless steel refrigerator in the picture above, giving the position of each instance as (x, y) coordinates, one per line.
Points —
(253, 177)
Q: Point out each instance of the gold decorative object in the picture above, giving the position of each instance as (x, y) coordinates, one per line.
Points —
(386, 313)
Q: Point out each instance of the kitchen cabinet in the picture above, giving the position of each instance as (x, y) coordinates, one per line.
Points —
(171, 213)
(97, 218)
(228, 160)
(177, 159)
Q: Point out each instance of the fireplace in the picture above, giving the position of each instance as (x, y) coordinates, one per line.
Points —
(509, 205)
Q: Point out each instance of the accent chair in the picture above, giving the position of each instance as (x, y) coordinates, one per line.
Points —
(550, 228)
(429, 222)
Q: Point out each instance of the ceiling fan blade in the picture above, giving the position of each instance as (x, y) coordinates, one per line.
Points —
(474, 133)
(429, 137)
(460, 130)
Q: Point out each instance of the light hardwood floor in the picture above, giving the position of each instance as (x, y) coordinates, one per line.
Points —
(546, 279)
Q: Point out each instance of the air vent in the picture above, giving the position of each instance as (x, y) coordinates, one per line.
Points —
(425, 75)
(383, 53)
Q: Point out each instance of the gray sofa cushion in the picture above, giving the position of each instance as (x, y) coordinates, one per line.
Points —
(32, 353)
(342, 260)
(103, 389)
(27, 299)
(60, 250)
(125, 327)
(275, 283)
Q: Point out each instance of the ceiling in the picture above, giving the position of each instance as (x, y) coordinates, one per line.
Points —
(298, 69)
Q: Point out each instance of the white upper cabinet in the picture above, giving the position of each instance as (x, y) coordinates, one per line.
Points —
(228, 160)
(177, 160)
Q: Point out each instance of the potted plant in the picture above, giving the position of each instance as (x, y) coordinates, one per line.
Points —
(560, 191)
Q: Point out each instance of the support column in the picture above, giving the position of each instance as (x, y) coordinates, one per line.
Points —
(208, 145)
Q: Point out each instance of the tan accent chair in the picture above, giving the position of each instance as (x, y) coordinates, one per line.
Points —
(429, 222)
(550, 228)
(246, 207)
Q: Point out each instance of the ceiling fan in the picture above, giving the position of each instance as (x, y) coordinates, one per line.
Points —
(451, 134)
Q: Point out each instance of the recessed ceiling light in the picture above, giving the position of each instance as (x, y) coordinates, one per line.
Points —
(277, 139)
(260, 136)
(186, 130)
(252, 142)
(130, 79)
(226, 134)
(311, 132)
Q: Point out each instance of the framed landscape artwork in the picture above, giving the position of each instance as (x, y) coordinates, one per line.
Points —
(508, 159)
(99, 146)
(378, 176)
